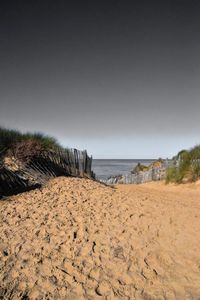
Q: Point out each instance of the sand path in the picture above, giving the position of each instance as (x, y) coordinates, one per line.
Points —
(78, 239)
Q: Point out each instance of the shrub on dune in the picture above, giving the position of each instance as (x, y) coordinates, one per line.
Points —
(186, 167)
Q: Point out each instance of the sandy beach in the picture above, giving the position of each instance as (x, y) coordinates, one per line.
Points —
(79, 239)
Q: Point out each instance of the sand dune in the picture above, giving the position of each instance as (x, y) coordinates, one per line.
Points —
(78, 239)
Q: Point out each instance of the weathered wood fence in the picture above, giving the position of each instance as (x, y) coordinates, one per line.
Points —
(153, 174)
(39, 170)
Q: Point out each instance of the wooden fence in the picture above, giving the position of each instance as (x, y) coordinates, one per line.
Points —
(153, 174)
(39, 170)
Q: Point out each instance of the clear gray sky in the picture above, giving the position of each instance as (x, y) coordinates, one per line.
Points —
(119, 78)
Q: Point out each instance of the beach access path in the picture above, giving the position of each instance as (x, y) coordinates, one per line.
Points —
(79, 239)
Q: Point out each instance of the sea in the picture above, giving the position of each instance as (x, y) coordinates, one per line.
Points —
(104, 168)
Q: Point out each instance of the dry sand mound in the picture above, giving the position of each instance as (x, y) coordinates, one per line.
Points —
(78, 239)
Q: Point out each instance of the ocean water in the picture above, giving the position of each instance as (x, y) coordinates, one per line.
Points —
(103, 168)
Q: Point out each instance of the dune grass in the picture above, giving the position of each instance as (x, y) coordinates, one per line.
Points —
(186, 166)
(9, 137)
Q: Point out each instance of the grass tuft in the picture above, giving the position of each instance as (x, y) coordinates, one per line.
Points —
(186, 166)
(10, 138)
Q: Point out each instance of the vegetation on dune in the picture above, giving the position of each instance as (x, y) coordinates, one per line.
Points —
(139, 168)
(25, 144)
(28, 161)
(142, 168)
(25, 150)
(186, 166)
